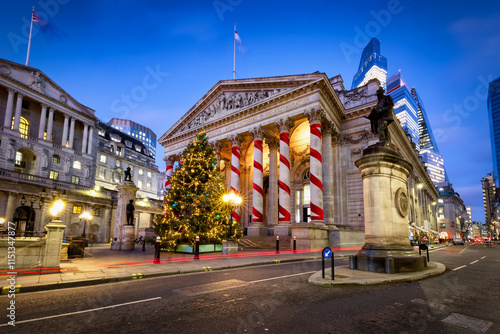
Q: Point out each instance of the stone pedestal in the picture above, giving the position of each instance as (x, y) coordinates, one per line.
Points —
(310, 236)
(123, 238)
(53, 244)
(387, 245)
(229, 247)
(256, 230)
(282, 230)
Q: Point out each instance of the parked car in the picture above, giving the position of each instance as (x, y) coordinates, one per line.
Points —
(458, 241)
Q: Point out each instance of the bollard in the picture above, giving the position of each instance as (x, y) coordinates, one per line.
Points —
(424, 247)
(353, 261)
(277, 244)
(294, 244)
(197, 249)
(327, 252)
(157, 250)
(389, 265)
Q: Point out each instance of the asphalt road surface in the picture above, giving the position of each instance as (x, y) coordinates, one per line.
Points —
(275, 299)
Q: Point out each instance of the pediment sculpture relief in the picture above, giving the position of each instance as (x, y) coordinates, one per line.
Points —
(229, 101)
(37, 81)
(355, 94)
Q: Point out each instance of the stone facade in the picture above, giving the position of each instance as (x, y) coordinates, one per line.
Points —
(313, 130)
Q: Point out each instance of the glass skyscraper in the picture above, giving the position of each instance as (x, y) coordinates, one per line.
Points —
(429, 151)
(494, 118)
(405, 106)
(139, 132)
(372, 65)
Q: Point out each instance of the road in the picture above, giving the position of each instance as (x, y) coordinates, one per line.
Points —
(275, 299)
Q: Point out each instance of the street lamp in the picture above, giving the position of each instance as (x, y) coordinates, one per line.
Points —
(56, 208)
(232, 200)
(86, 216)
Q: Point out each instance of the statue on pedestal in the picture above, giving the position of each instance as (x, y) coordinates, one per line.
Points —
(128, 174)
(381, 116)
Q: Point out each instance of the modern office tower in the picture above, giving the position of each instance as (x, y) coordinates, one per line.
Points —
(405, 106)
(139, 132)
(494, 118)
(489, 190)
(429, 151)
(451, 212)
(372, 65)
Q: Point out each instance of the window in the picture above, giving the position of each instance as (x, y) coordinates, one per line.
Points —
(307, 194)
(53, 175)
(75, 180)
(118, 150)
(77, 164)
(118, 163)
(26, 104)
(19, 159)
(56, 159)
(77, 209)
(148, 186)
(24, 126)
(149, 174)
(141, 171)
(139, 184)
(102, 159)
(102, 173)
(441, 217)
(102, 133)
(117, 177)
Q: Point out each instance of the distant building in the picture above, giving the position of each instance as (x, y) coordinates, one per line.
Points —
(489, 192)
(137, 131)
(494, 118)
(405, 106)
(371, 66)
(451, 212)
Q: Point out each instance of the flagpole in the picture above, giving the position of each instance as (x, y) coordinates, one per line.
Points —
(29, 40)
(234, 52)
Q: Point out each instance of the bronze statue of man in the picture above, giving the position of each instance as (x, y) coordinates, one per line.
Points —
(128, 174)
(130, 212)
(381, 116)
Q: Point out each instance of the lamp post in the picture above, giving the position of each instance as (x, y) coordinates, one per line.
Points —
(86, 216)
(32, 200)
(233, 201)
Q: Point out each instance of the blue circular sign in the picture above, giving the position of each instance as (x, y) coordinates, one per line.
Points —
(327, 252)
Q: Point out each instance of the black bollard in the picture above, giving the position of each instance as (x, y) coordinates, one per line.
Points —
(157, 250)
(197, 249)
(327, 253)
(277, 244)
(144, 244)
(294, 244)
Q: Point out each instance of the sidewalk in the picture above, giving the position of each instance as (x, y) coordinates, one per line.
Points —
(102, 265)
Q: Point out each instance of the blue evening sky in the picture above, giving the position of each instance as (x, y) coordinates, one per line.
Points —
(101, 51)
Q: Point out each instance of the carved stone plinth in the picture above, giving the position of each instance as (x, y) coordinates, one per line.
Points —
(309, 236)
(229, 247)
(256, 230)
(123, 232)
(387, 245)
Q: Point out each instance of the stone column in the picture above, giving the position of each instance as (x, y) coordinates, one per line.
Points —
(235, 169)
(327, 152)
(316, 168)
(169, 170)
(17, 116)
(50, 124)
(7, 123)
(11, 206)
(272, 214)
(53, 244)
(124, 236)
(285, 204)
(91, 138)
(64, 139)
(387, 245)
(43, 120)
(257, 227)
(85, 137)
(71, 132)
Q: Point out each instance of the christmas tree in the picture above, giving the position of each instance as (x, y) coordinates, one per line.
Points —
(193, 205)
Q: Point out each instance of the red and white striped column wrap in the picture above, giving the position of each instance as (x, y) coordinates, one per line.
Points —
(285, 205)
(169, 171)
(235, 170)
(258, 177)
(316, 166)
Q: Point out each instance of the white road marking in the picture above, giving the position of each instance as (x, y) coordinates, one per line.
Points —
(474, 262)
(269, 279)
(483, 257)
(460, 267)
(85, 311)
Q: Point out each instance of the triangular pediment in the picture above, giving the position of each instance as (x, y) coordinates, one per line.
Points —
(37, 82)
(231, 97)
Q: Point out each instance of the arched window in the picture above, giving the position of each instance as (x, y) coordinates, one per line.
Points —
(77, 164)
(24, 126)
(56, 159)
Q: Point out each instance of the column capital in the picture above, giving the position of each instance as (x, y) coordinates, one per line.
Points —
(11, 90)
(235, 140)
(257, 132)
(329, 128)
(272, 142)
(169, 159)
(20, 95)
(315, 115)
(284, 124)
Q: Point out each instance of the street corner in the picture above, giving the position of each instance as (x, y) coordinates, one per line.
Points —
(344, 275)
